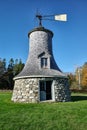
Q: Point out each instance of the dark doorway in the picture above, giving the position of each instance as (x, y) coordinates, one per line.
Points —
(48, 90)
(42, 91)
(45, 90)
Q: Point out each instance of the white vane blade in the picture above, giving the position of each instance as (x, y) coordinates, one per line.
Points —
(62, 17)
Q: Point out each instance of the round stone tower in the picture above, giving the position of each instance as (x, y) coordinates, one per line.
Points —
(41, 79)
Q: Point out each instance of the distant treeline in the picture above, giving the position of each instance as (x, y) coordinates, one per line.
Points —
(78, 80)
(7, 72)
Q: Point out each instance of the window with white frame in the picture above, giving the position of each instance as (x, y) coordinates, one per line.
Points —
(44, 63)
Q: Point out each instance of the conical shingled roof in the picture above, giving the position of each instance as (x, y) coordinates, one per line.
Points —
(40, 40)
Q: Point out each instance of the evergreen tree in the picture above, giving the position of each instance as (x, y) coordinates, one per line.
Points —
(18, 67)
(11, 64)
(13, 68)
(4, 64)
(1, 67)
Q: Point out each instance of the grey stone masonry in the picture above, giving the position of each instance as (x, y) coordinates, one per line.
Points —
(28, 90)
(62, 91)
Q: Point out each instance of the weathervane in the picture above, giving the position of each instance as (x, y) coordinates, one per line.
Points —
(58, 17)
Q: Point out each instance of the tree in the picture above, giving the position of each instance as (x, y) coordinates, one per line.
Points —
(18, 67)
(7, 74)
(11, 64)
(70, 78)
(1, 67)
(79, 77)
(84, 76)
(4, 64)
(72, 81)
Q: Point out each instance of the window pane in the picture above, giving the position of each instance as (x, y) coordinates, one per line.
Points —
(43, 62)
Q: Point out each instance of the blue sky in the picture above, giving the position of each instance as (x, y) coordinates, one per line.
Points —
(17, 18)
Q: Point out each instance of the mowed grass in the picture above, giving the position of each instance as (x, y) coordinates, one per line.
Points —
(43, 116)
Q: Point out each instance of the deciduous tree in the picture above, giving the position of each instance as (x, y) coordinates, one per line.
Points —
(84, 76)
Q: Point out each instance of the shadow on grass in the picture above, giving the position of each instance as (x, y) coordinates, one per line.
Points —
(78, 98)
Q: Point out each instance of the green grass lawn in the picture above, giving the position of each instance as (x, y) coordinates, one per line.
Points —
(43, 116)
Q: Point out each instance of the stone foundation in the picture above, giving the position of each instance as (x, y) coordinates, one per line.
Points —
(28, 90)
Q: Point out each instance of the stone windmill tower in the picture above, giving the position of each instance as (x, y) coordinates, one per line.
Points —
(41, 79)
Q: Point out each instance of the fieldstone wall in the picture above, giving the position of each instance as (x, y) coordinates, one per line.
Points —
(27, 90)
(62, 91)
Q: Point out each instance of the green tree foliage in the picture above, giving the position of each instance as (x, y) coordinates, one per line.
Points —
(3, 79)
(7, 74)
(71, 78)
(72, 81)
(2, 66)
(11, 64)
(18, 66)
